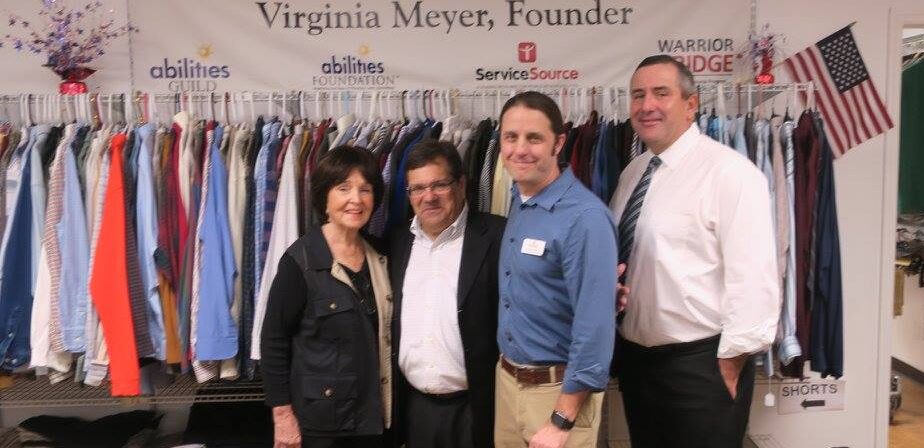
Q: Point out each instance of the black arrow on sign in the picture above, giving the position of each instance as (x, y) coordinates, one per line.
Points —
(812, 403)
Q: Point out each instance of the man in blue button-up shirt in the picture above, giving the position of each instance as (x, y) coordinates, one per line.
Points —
(557, 274)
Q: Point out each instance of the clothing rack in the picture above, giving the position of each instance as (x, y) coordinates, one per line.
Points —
(108, 108)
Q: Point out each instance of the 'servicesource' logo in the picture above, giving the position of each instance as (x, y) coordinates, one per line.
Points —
(527, 53)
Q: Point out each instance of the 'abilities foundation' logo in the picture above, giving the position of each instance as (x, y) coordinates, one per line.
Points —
(359, 71)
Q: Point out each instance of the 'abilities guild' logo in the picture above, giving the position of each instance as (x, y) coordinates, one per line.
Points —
(190, 75)
(526, 51)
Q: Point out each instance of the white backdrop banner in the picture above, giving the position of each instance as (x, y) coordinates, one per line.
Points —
(220, 45)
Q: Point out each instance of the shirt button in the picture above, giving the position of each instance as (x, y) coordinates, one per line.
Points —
(333, 306)
(511, 240)
(507, 305)
(384, 380)
(328, 392)
(507, 273)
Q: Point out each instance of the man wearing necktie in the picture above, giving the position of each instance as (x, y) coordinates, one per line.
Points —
(695, 232)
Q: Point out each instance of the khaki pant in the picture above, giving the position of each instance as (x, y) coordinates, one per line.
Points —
(521, 410)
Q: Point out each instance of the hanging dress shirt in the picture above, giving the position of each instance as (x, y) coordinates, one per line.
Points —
(14, 171)
(73, 240)
(96, 359)
(741, 144)
(237, 195)
(285, 232)
(216, 333)
(265, 178)
(827, 299)
(140, 307)
(16, 287)
(47, 344)
(788, 343)
(146, 221)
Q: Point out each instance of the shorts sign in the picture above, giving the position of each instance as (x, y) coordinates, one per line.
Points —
(812, 396)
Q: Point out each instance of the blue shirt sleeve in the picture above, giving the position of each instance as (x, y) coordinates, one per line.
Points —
(589, 267)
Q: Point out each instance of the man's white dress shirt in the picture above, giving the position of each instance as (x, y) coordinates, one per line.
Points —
(703, 261)
(431, 354)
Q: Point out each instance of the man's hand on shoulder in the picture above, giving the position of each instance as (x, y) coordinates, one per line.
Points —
(622, 291)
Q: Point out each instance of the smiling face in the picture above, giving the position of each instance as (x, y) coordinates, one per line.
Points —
(350, 203)
(437, 198)
(530, 148)
(660, 114)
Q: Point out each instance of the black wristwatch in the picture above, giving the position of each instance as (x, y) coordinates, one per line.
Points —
(561, 422)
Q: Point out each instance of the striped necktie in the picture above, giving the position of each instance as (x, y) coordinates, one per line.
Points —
(633, 208)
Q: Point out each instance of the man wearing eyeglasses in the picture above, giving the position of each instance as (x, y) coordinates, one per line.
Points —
(444, 274)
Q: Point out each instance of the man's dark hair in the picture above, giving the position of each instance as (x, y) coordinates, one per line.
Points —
(431, 151)
(687, 85)
(542, 103)
(335, 167)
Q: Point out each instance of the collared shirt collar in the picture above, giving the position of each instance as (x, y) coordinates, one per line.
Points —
(677, 151)
(146, 130)
(455, 230)
(552, 193)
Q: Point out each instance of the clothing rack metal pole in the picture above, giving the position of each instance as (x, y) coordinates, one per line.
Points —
(708, 88)
(409, 102)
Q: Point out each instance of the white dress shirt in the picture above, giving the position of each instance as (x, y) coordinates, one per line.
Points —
(431, 353)
(704, 259)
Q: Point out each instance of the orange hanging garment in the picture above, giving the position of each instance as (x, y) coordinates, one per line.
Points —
(109, 282)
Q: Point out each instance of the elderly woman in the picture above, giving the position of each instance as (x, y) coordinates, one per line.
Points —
(326, 342)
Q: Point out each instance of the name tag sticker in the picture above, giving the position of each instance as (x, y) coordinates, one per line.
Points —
(533, 247)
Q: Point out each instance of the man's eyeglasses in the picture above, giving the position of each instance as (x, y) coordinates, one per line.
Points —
(438, 187)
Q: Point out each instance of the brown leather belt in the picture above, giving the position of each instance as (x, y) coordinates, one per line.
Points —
(534, 375)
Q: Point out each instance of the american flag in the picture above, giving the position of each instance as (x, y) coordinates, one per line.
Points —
(847, 99)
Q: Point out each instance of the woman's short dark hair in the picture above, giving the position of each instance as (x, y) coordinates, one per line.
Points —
(430, 151)
(335, 167)
(537, 101)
